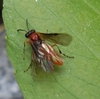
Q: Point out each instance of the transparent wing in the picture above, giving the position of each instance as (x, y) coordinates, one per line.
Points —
(41, 58)
(58, 38)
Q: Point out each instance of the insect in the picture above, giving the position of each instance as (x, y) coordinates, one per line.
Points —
(43, 53)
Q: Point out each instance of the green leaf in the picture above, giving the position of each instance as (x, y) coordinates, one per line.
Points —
(78, 78)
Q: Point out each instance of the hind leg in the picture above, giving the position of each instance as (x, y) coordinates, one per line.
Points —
(61, 51)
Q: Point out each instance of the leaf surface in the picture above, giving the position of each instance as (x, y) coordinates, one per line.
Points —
(78, 78)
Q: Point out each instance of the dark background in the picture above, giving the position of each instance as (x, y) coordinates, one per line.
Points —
(8, 87)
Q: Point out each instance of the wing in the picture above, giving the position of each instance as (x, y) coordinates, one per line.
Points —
(58, 38)
(40, 57)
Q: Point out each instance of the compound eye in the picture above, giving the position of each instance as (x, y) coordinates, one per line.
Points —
(33, 31)
(29, 33)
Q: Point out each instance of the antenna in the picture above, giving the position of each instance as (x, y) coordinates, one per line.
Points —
(27, 24)
(21, 30)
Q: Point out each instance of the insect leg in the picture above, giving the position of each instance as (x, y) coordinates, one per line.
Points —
(27, 41)
(24, 51)
(28, 68)
(35, 64)
(61, 51)
(29, 65)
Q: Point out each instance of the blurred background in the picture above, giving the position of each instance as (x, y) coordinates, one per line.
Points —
(8, 87)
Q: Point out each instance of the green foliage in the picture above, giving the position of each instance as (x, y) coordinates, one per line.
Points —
(78, 78)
